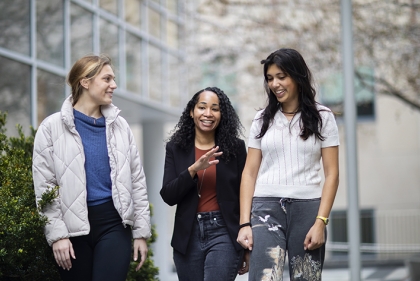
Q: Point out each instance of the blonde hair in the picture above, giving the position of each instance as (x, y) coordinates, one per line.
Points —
(87, 67)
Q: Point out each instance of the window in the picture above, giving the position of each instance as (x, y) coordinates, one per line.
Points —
(155, 73)
(50, 31)
(172, 34)
(15, 26)
(154, 23)
(220, 74)
(172, 6)
(133, 12)
(134, 64)
(109, 5)
(174, 81)
(109, 43)
(15, 80)
(338, 228)
(50, 94)
(144, 39)
(332, 96)
(81, 32)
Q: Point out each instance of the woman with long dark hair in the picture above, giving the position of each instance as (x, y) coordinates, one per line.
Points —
(203, 166)
(284, 208)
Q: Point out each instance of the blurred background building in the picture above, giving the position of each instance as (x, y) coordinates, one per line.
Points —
(166, 50)
(41, 39)
(232, 37)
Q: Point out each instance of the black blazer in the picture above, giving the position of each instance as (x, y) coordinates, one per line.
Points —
(180, 189)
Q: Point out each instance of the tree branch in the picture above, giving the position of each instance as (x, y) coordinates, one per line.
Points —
(387, 89)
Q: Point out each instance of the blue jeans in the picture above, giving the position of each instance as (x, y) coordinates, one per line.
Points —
(279, 227)
(211, 255)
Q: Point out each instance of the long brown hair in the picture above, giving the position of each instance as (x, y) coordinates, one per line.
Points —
(291, 62)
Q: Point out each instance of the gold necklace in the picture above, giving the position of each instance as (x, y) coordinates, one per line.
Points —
(201, 185)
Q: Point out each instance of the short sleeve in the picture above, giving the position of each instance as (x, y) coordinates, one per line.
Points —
(255, 130)
(329, 129)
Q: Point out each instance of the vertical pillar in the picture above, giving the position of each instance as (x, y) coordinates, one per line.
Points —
(153, 163)
(350, 117)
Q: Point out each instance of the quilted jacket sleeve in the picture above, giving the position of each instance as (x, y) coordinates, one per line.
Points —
(141, 227)
(44, 179)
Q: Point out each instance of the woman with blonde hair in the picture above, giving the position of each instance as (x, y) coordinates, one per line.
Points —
(88, 150)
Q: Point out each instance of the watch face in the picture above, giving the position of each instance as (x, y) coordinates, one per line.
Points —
(327, 220)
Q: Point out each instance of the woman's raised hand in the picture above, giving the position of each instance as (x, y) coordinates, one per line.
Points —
(204, 161)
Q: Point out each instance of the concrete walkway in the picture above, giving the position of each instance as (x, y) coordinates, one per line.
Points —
(368, 274)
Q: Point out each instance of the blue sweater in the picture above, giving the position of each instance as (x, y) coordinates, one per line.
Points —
(98, 171)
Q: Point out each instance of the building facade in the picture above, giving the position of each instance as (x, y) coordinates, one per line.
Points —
(239, 34)
(41, 39)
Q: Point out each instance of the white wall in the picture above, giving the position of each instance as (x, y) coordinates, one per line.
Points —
(388, 158)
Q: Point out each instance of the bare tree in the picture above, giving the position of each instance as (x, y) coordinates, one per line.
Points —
(386, 38)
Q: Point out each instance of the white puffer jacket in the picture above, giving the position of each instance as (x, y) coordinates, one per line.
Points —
(58, 160)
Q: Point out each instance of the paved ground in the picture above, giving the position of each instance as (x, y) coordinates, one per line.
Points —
(368, 274)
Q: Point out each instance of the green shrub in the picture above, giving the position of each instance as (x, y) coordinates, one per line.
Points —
(148, 271)
(24, 252)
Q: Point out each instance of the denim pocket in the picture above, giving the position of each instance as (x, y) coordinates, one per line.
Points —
(219, 221)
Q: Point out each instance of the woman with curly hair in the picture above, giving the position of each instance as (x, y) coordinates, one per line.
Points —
(284, 208)
(203, 167)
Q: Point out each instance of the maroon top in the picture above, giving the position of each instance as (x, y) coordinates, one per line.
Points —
(206, 186)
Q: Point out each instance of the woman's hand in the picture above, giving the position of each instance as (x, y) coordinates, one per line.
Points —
(245, 263)
(63, 250)
(315, 237)
(140, 245)
(204, 161)
(245, 237)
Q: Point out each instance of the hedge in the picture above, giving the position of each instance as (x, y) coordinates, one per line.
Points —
(24, 252)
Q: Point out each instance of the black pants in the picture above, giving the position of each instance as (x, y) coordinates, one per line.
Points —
(103, 254)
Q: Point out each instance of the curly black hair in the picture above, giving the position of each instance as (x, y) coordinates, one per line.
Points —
(227, 133)
(291, 62)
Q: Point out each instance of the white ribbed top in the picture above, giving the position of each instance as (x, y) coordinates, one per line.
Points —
(290, 166)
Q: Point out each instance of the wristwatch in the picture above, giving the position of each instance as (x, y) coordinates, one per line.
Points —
(324, 219)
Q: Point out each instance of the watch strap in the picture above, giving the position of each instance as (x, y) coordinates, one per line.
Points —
(324, 219)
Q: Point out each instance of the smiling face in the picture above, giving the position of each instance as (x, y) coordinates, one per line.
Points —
(206, 113)
(100, 89)
(283, 87)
